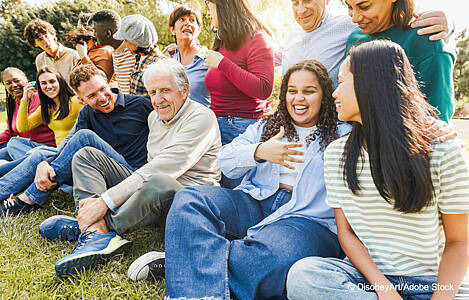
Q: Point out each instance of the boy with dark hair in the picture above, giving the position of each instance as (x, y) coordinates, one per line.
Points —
(105, 23)
(41, 34)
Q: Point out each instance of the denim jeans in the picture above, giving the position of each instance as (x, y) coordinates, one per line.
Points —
(209, 255)
(4, 152)
(19, 147)
(231, 127)
(15, 151)
(21, 175)
(331, 278)
(63, 162)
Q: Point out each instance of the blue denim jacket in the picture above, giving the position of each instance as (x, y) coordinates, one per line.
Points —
(262, 179)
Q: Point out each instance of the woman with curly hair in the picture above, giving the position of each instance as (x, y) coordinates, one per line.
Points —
(246, 239)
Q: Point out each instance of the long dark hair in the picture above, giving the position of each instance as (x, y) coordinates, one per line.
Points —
(236, 22)
(11, 101)
(47, 103)
(393, 129)
(327, 122)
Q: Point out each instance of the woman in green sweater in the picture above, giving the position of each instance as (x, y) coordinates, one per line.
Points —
(432, 61)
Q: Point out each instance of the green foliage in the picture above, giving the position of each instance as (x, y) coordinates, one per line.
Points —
(63, 15)
(461, 67)
(9, 7)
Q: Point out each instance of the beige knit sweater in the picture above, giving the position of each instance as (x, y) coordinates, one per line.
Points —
(185, 148)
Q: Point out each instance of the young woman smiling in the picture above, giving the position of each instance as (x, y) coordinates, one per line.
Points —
(14, 81)
(395, 192)
(59, 105)
(246, 239)
(433, 61)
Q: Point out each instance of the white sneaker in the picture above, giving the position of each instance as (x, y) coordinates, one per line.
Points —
(148, 266)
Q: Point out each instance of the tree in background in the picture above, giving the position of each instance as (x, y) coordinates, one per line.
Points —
(461, 68)
(63, 15)
(9, 7)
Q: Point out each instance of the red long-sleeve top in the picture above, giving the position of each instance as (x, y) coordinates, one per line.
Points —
(243, 80)
(41, 134)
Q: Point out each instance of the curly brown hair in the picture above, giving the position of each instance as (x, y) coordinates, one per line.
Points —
(326, 127)
(36, 28)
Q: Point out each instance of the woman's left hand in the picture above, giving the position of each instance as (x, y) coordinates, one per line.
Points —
(433, 22)
(213, 59)
(28, 91)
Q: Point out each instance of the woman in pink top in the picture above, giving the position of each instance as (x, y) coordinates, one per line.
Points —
(14, 81)
(241, 68)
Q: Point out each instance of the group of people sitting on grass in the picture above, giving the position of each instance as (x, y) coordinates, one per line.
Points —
(351, 188)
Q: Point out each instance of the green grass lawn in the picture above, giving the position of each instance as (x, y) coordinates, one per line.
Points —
(27, 261)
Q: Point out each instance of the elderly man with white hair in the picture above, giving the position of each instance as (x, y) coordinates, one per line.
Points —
(183, 146)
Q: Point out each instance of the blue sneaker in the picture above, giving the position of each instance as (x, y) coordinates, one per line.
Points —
(60, 227)
(93, 248)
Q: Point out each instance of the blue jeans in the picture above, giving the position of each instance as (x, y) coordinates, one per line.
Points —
(208, 253)
(331, 278)
(231, 127)
(15, 151)
(22, 176)
(4, 152)
(62, 165)
(19, 147)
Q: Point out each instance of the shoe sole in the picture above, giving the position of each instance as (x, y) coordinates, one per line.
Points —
(89, 260)
(140, 269)
(50, 219)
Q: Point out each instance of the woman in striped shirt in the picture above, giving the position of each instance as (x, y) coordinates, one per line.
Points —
(394, 192)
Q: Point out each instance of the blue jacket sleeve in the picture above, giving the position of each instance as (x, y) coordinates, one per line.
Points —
(237, 158)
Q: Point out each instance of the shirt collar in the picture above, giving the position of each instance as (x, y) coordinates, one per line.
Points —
(120, 97)
(200, 54)
(176, 116)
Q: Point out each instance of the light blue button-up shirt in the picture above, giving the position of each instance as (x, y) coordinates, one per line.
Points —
(326, 44)
(262, 179)
(196, 74)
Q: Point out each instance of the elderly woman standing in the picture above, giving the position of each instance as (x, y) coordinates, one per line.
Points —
(140, 37)
(184, 23)
(432, 61)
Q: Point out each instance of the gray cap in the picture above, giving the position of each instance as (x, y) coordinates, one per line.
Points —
(138, 30)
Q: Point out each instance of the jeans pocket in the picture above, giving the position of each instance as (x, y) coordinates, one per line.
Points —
(282, 197)
(240, 124)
